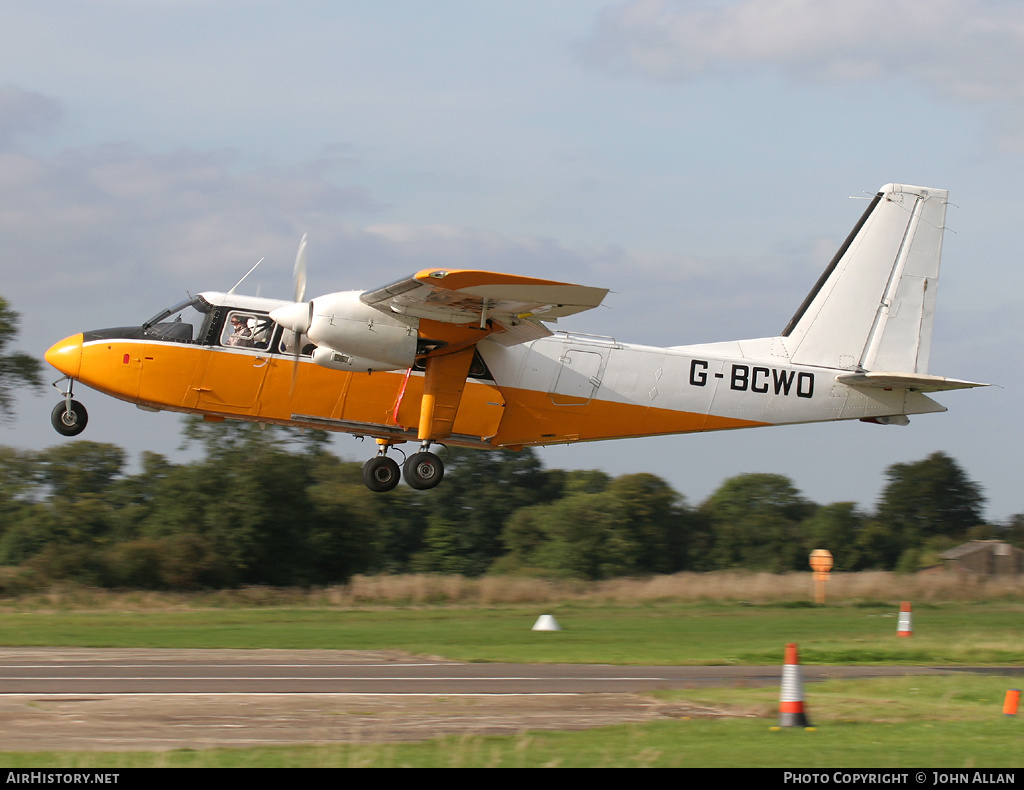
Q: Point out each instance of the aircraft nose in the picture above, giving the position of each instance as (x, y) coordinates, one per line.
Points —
(66, 355)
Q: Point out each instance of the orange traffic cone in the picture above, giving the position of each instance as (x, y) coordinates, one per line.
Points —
(791, 700)
(905, 625)
(1011, 702)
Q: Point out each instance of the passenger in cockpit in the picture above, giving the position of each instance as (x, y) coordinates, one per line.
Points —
(241, 335)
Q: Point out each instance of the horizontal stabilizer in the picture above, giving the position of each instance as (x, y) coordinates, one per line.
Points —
(915, 382)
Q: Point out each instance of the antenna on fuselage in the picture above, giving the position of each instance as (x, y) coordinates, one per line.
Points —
(246, 275)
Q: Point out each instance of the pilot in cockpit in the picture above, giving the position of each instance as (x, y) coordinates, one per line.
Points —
(241, 335)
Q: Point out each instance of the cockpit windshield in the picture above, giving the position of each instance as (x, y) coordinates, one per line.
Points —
(187, 322)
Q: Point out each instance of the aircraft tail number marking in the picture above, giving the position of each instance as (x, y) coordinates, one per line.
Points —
(756, 378)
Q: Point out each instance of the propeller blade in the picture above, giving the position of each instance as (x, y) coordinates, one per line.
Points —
(300, 271)
(299, 274)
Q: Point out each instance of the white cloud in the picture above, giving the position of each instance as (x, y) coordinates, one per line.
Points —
(119, 210)
(963, 50)
(106, 235)
(123, 230)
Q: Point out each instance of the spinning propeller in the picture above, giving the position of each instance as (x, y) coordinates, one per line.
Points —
(299, 273)
(299, 276)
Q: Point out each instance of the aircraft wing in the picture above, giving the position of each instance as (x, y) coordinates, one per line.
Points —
(517, 305)
(917, 382)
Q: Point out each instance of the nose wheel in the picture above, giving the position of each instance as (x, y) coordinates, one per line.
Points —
(68, 417)
(422, 470)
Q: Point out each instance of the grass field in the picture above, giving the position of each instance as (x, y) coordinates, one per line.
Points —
(952, 722)
(661, 633)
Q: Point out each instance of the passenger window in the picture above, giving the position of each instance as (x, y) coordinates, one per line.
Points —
(289, 342)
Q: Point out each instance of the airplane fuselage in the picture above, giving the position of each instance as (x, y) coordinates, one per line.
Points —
(559, 389)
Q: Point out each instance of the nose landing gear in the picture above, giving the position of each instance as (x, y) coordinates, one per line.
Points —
(69, 417)
(422, 470)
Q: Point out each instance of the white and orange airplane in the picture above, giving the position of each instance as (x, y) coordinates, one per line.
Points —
(463, 357)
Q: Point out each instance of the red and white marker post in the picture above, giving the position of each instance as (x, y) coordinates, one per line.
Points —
(905, 625)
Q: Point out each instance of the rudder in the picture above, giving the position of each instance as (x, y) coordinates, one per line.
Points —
(873, 307)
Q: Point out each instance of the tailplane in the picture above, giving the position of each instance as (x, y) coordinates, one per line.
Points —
(872, 309)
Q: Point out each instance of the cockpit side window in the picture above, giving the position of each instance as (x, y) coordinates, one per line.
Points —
(247, 330)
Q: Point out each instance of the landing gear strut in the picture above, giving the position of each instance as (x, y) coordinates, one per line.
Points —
(422, 470)
(69, 417)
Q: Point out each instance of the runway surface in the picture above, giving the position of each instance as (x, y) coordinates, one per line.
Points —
(310, 672)
(157, 699)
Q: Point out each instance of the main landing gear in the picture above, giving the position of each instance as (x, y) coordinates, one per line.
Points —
(68, 417)
(422, 470)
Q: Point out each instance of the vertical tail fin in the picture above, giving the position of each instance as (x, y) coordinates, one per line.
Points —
(873, 307)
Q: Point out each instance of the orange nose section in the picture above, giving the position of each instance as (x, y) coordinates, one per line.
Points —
(66, 355)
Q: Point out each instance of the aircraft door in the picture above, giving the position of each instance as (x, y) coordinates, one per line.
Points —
(577, 378)
(238, 367)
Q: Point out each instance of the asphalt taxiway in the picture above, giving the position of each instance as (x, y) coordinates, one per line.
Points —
(53, 698)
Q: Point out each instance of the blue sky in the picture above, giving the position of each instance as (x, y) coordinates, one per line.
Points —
(695, 157)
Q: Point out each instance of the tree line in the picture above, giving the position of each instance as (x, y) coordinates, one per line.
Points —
(274, 507)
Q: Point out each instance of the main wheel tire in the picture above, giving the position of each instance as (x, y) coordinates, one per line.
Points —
(69, 422)
(423, 470)
(381, 473)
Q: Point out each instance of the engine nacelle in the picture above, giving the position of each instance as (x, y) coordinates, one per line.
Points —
(339, 360)
(362, 337)
(342, 323)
